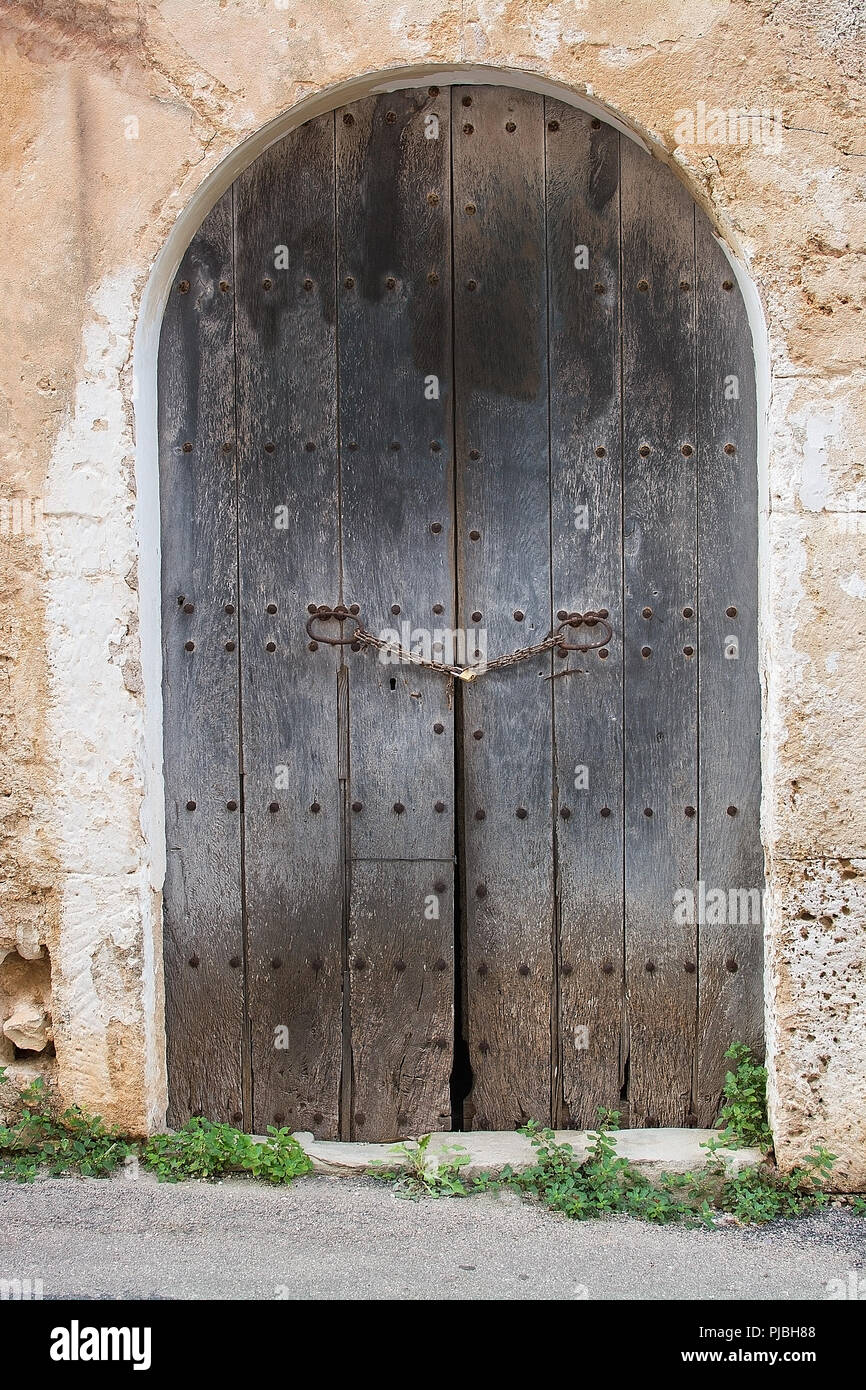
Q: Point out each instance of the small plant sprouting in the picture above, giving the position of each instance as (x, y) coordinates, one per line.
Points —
(422, 1173)
(743, 1117)
(209, 1151)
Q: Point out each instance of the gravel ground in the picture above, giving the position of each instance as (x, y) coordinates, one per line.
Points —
(344, 1238)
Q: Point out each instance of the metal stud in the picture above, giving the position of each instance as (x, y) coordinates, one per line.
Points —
(230, 646)
(270, 646)
(650, 967)
(399, 966)
(276, 963)
(646, 651)
(521, 813)
(646, 613)
(187, 448)
(435, 446)
(690, 811)
(399, 808)
(478, 734)
(648, 810)
(439, 886)
(436, 529)
(274, 807)
(600, 451)
(194, 962)
(190, 805)
(189, 646)
(567, 968)
(731, 965)
(439, 807)
(271, 608)
(357, 805)
(229, 608)
(476, 616)
(688, 651)
(644, 451)
(438, 728)
(437, 608)
(607, 967)
(729, 612)
(315, 808)
(689, 967)
(605, 812)
(732, 810)
(189, 608)
(481, 890)
(480, 814)
(231, 805)
(235, 962)
(565, 813)
(523, 970)
(518, 615)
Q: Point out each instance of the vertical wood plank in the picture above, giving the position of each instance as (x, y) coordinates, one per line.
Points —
(582, 160)
(289, 558)
(393, 274)
(730, 1002)
(661, 790)
(401, 936)
(203, 938)
(503, 542)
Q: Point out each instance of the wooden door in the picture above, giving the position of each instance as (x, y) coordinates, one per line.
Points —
(461, 362)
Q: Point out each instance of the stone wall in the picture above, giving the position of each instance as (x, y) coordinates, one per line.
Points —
(121, 124)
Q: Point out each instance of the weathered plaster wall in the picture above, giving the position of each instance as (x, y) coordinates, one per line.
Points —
(114, 115)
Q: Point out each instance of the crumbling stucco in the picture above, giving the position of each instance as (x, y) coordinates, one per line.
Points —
(115, 117)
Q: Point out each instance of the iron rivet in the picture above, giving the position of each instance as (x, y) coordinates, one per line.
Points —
(478, 734)
(399, 966)
(644, 451)
(317, 964)
(440, 886)
(189, 646)
(187, 448)
(689, 967)
(732, 810)
(308, 284)
(480, 815)
(390, 117)
(523, 970)
(227, 447)
(432, 278)
(468, 129)
(193, 961)
(470, 209)
(433, 199)
(605, 811)
(687, 450)
(475, 535)
(518, 615)
(436, 528)
(435, 446)
(648, 810)
(685, 285)
(312, 646)
(269, 448)
(607, 968)
(595, 123)
(600, 451)
(731, 964)
(562, 615)
(274, 806)
(184, 286)
(599, 289)
(399, 808)
(483, 1047)
(267, 284)
(351, 446)
(270, 646)
(567, 968)
(481, 891)
(482, 969)
(279, 1117)
(438, 728)
(276, 963)
(731, 612)
(354, 608)
(643, 286)
(318, 1117)
(727, 285)
(390, 283)
(730, 449)
(309, 446)
(230, 646)
(356, 646)
(312, 608)
(646, 651)
(360, 963)
(603, 613)
(349, 282)
(231, 805)
(474, 453)
(235, 962)
(688, 612)
(441, 964)
(437, 608)
(357, 805)
(646, 613)
(348, 119)
(402, 1117)
(360, 1117)
(688, 651)
(272, 608)
(433, 91)
(690, 811)
(190, 805)
(510, 127)
(467, 101)
(189, 608)
(439, 807)
(315, 808)
(553, 125)
(476, 616)
(395, 446)
(650, 966)
(565, 813)
(472, 284)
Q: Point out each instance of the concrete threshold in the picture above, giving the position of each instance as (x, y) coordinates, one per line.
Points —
(652, 1151)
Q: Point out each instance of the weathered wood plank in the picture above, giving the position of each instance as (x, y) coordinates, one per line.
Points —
(660, 642)
(500, 311)
(393, 275)
(401, 935)
(730, 999)
(289, 558)
(203, 938)
(582, 162)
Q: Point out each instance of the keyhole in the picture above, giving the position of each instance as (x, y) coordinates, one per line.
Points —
(393, 682)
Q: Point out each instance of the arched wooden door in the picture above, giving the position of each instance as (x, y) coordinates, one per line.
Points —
(465, 358)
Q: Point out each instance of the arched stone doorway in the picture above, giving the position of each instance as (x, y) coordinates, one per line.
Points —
(445, 352)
